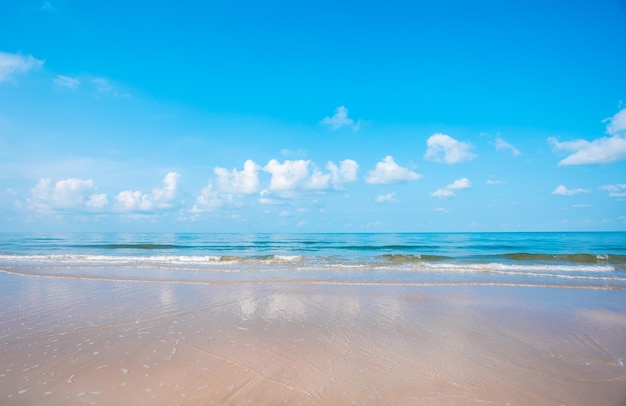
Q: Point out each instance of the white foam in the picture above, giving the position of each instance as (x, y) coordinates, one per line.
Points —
(288, 258)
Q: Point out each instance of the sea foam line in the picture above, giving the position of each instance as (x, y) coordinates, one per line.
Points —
(307, 263)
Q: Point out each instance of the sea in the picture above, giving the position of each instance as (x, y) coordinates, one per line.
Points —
(584, 260)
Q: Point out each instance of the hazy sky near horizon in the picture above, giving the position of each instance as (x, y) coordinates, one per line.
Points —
(324, 116)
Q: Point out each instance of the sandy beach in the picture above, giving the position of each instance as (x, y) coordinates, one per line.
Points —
(72, 341)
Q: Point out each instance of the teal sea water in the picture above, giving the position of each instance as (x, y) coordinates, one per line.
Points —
(583, 260)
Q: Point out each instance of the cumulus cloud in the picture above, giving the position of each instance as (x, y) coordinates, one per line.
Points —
(389, 197)
(563, 191)
(245, 181)
(161, 198)
(442, 193)
(387, 171)
(448, 190)
(210, 200)
(129, 200)
(599, 151)
(11, 64)
(66, 81)
(292, 176)
(318, 180)
(445, 149)
(340, 119)
(65, 195)
(97, 201)
(618, 190)
(617, 123)
(288, 175)
(264, 198)
(502, 145)
(346, 172)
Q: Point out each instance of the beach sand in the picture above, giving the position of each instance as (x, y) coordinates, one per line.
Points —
(68, 341)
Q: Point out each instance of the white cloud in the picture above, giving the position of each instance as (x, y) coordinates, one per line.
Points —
(210, 200)
(287, 176)
(445, 149)
(389, 197)
(164, 195)
(245, 181)
(462, 183)
(618, 190)
(493, 182)
(563, 191)
(345, 173)
(292, 175)
(502, 145)
(161, 198)
(11, 64)
(442, 193)
(66, 81)
(70, 192)
(440, 210)
(340, 119)
(128, 200)
(97, 201)
(265, 199)
(599, 151)
(387, 171)
(65, 194)
(617, 123)
(448, 190)
(318, 180)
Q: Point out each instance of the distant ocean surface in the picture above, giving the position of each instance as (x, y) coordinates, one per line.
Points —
(583, 260)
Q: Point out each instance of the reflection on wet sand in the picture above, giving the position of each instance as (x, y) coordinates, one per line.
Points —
(79, 341)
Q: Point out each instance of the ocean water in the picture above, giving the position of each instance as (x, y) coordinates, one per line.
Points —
(580, 260)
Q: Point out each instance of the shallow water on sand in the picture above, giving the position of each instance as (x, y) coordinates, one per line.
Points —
(65, 341)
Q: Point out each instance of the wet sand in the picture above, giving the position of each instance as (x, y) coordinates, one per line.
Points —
(65, 341)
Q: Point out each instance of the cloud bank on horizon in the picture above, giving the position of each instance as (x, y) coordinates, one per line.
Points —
(84, 148)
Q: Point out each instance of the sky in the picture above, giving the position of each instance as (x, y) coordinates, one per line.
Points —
(312, 116)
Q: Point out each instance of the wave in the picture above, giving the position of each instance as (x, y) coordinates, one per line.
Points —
(581, 258)
(400, 258)
(393, 262)
(161, 259)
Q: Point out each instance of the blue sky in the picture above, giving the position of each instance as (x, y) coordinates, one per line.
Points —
(312, 116)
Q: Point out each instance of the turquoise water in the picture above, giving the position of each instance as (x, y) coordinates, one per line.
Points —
(585, 260)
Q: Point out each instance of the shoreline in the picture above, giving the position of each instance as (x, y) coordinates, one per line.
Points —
(74, 341)
(313, 282)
